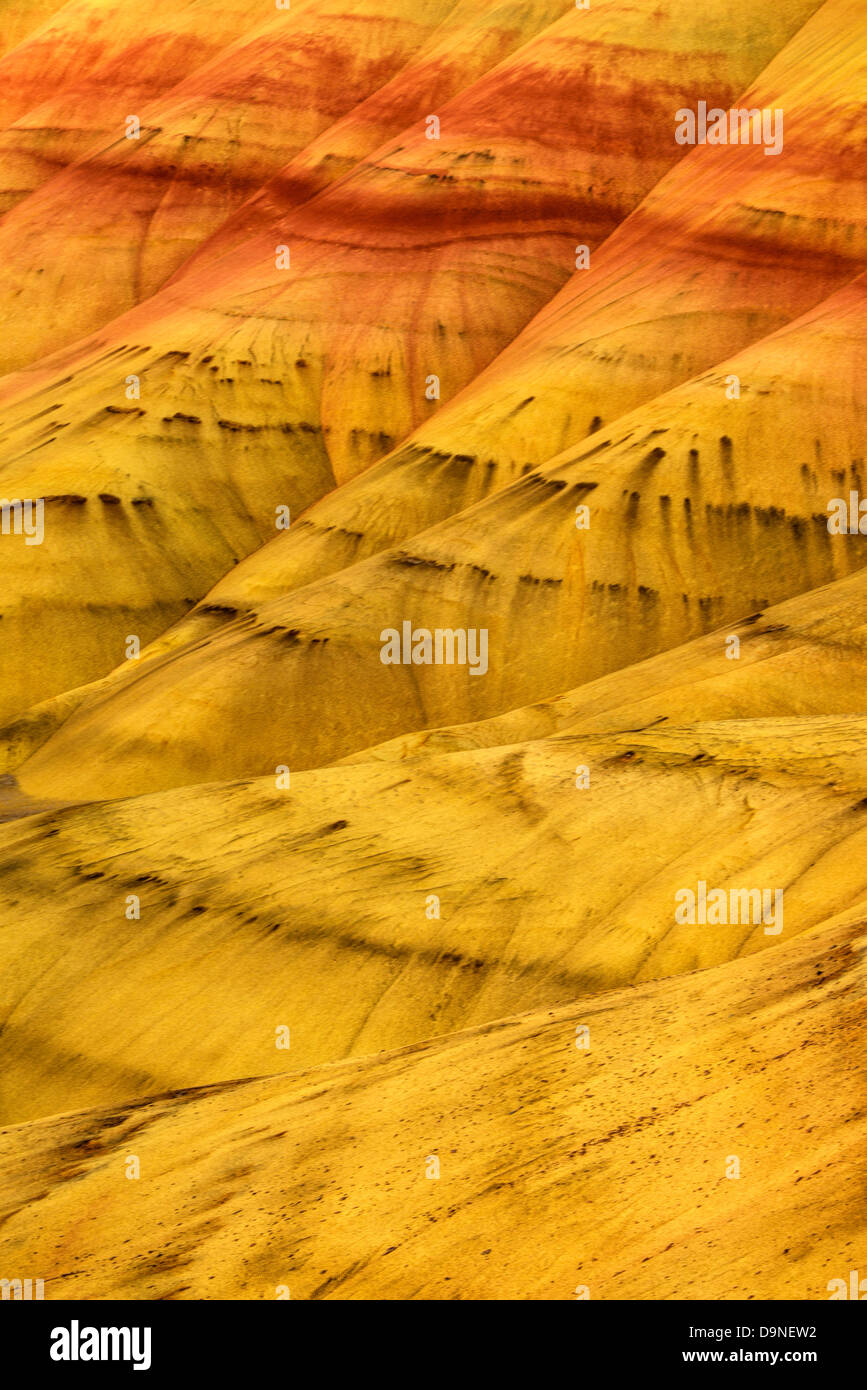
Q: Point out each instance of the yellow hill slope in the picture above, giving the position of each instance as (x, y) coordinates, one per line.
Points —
(366, 907)
(806, 656)
(702, 510)
(317, 1182)
(535, 973)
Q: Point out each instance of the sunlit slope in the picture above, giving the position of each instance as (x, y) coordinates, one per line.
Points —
(727, 247)
(261, 380)
(72, 82)
(318, 1182)
(701, 510)
(805, 656)
(364, 907)
(107, 232)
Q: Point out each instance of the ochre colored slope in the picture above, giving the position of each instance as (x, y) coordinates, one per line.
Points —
(562, 1171)
(311, 907)
(107, 232)
(146, 505)
(702, 510)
